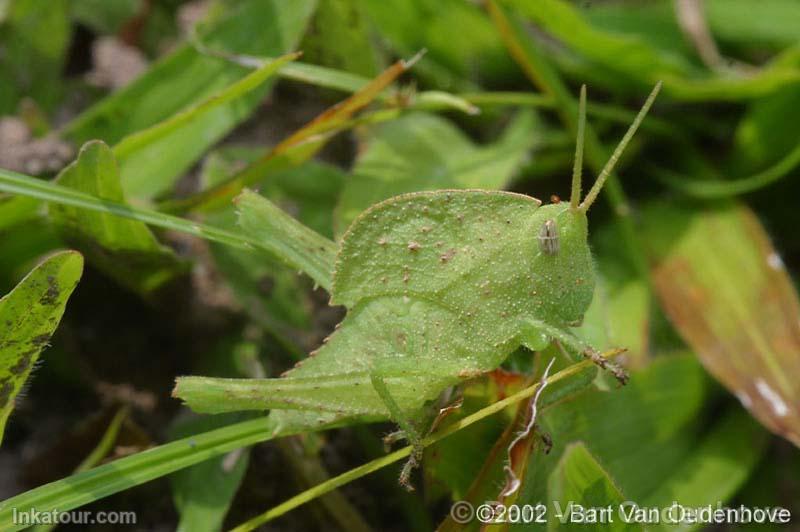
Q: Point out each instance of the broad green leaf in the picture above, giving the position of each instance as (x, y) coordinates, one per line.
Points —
(727, 292)
(730, 22)
(338, 37)
(640, 433)
(653, 22)
(641, 63)
(125, 250)
(35, 36)
(185, 75)
(422, 151)
(715, 470)
(30, 314)
(104, 16)
(733, 21)
(578, 487)
(149, 155)
(455, 60)
(183, 79)
(203, 493)
(628, 53)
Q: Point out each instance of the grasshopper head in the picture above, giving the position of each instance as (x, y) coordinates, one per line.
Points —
(563, 272)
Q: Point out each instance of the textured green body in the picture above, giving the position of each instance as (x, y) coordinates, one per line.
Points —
(439, 286)
(477, 252)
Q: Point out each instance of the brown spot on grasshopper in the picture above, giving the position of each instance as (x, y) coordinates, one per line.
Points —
(447, 255)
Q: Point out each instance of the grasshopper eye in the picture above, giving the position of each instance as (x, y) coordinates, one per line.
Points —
(548, 238)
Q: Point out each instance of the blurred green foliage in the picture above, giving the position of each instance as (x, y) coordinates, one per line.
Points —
(695, 247)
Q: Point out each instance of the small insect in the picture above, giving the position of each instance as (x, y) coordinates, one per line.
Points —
(490, 272)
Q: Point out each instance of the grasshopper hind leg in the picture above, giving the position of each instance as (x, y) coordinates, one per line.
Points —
(408, 431)
(449, 401)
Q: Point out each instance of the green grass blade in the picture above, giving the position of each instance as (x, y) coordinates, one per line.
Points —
(204, 492)
(283, 240)
(636, 61)
(731, 187)
(83, 488)
(125, 250)
(101, 450)
(321, 76)
(106, 443)
(142, 139)
(298, 147)
(331, 78)
(23, 185)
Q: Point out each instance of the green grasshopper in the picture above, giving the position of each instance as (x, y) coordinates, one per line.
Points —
(439, 287)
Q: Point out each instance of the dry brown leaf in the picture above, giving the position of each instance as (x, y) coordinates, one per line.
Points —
(727, 292)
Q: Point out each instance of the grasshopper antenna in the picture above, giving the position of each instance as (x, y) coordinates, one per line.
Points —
(612, 161)
(577, 169)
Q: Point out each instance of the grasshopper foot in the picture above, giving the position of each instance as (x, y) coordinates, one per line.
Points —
(413, 462)
(547, 440)
(615, 369)
(393, 437)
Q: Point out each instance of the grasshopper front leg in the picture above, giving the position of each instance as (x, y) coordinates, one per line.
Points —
(537, 334)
